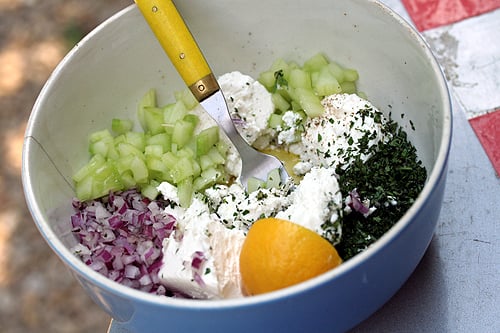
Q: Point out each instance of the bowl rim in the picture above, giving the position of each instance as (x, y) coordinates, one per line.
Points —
(439, 168)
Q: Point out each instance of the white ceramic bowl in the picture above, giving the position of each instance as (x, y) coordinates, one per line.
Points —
(105, 75)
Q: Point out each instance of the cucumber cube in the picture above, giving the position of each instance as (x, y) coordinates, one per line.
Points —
(185, 191)
(275, 121)
(273, 179)
(148, 100)
(182, 133)
(315, 63)
(187, 98)
(280, 102)
(174, 112)
(139, 170)
(267, 79)
(348, 87)
(121, 126)
(351, 74)
(309, 102)
(153, 119)
(299, 79)
(326, 84)
(254, 184)
(337, 71)
(206, 139)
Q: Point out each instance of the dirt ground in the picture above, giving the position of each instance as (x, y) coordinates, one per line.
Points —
(37, 293)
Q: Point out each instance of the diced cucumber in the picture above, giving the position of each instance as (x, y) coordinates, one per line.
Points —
(280, 65)
(315, 63)
(174, 112)
(267, 79)
(206, 162)
(186, 97)
(122, 164)
(101, 147)
(91, 167)
(83, 189)
(348, 87)
(186, 152)
(326, 84)
(273, 179)
(127, 149)
(351, 74)
(222, 147)
(148, 100)
(275, 121)
(156, 165)
(182, 133)
(127, 179)
(121, 126)
(139, 170)
(299, 79)
(192, 118)
(136, 139)
(216, 156)
(337, 71)
(254, 184)
(169, 159)
(182, 169)
(309, 102)
(280, 102)
(185, 191)
(206, 139)
(163, 139)
(150, 190)
(153, 150)
(207, 178)
(153, 119)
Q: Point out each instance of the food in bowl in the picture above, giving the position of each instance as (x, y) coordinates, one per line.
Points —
(163, 211)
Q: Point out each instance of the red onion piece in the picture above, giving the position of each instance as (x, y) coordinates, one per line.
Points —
(356, 204)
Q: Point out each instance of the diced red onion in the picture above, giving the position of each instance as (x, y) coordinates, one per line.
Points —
(356, 204)
(121, 235)
(197, 263)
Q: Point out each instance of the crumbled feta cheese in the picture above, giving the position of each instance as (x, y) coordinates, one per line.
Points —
(238, 209)
(249, 102)
(347, 128)
(289, 132)
(317, 204)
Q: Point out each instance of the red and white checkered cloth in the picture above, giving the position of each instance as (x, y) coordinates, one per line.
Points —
(465, 38)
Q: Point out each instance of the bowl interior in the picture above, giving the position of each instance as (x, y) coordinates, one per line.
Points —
(107, 73)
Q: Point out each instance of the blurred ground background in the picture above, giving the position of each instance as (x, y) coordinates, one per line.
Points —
(37, 293)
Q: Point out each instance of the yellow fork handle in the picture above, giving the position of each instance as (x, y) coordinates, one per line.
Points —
(180, 46)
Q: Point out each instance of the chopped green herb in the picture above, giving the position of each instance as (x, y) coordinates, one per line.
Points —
(392, 173)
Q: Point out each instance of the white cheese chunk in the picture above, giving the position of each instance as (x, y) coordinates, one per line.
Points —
(317, 204)
(201, 258)
(238, 209)
(347, 128)
(249, 103)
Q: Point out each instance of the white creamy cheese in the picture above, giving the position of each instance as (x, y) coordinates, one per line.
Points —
(289, 131)
(347, 128)
(317, 204)
(238, 209)
(201, 258)
(248, 101)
